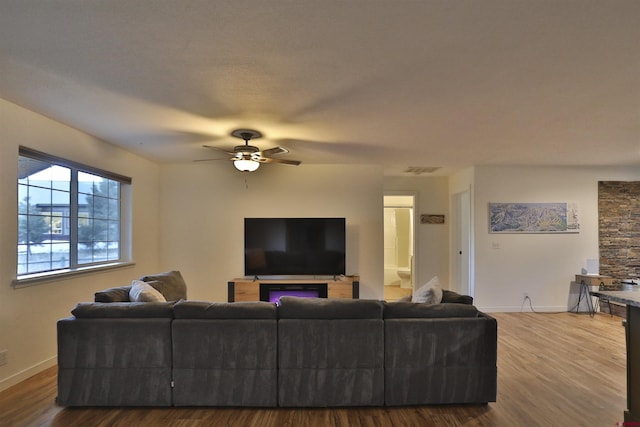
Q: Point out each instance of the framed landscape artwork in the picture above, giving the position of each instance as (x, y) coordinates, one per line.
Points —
(533, 218)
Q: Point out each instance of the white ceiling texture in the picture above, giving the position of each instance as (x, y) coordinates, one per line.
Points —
(399, 83)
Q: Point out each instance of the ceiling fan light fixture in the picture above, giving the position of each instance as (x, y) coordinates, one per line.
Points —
(247, 158)
(244, 165)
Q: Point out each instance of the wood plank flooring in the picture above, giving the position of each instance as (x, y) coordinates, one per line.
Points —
(394, 292)
(561, 369)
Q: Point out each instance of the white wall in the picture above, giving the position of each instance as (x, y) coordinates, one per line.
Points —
(204, 205)
(432, 240)
(28, 315)
(190, 217)
(461, 180)
(543, 265)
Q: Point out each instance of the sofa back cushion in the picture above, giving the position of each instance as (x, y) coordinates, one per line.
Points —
(170, 284)
(323, 308)
(100, 310)
(228, 310)
(454, 297)
(122, 293)
(408, 310)
(447, 296)
(117, 294)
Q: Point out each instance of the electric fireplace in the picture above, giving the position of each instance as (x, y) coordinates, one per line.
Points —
(272, 292)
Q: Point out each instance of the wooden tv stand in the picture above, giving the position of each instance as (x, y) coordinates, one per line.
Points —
(249, 289)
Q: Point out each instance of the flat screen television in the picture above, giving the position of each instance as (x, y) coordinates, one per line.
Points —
(294, 246)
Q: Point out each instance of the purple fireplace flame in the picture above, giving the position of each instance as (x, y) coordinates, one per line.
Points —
(273, 291)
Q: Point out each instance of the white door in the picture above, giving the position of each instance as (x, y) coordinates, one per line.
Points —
(461, 243)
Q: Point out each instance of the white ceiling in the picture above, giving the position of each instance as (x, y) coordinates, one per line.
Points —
(399, 83)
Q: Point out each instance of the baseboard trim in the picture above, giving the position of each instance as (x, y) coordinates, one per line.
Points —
(27, 373)
(525, 309)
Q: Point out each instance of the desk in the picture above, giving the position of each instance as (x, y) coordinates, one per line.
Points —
(586, 281)
(632, 334)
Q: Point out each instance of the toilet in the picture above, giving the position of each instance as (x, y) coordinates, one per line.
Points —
(404, 273)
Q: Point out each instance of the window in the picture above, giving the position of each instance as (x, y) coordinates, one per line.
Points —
(70, 216)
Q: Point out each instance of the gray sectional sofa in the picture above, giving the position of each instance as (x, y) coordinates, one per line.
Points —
(301, 353)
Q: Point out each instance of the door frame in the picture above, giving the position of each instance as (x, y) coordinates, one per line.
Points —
(414, 196)
(461, 243)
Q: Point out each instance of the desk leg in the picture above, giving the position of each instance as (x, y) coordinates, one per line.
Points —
(584, 289)
(632, 334)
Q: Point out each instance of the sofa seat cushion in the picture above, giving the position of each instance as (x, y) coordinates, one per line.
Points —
(170, 284)
(323, 308)
(113, 310)
(234, 310)
(408, 310)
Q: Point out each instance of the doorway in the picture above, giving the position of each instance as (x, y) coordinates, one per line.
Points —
(461, 243)
(399, 246)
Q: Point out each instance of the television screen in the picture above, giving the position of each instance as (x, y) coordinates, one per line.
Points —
(294, 246)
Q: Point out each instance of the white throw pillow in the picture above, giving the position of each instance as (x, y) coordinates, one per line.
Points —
(143, 292)
(430, 292)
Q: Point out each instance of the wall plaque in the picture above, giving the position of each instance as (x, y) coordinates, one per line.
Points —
(431, 219)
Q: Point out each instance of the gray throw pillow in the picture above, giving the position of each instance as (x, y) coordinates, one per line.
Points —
(430, 293)
(143, 292)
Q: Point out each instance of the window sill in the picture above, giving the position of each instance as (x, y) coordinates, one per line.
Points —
(52, 276)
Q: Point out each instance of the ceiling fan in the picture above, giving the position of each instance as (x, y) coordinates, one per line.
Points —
(247, 158)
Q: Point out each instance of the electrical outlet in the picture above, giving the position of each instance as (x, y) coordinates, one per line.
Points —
(3, 357)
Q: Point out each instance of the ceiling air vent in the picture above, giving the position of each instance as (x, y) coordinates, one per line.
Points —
(418, 170)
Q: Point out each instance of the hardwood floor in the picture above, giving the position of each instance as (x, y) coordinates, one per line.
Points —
(394, 292)
(561, 369)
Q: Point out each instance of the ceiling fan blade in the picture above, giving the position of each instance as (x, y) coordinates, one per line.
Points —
(251, 152)
(209, 160)
(273, 151)
(219, 149)
(283, 161)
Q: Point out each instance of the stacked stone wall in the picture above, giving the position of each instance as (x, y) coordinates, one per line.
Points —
(619, 229)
